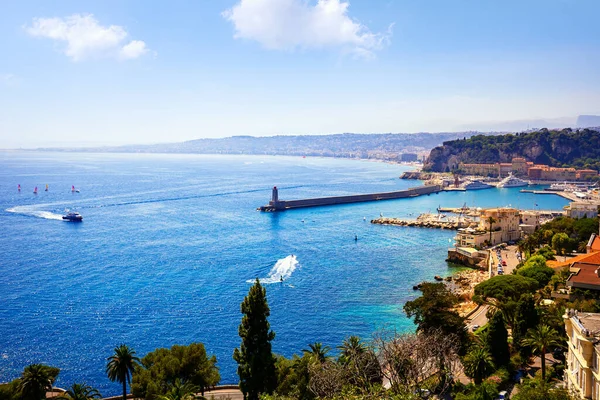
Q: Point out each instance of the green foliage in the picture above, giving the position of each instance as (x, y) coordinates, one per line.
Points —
(433, 311)
(557, 148)
(539, 389)
(497, 340)
(478, 364)
(561, 243)
(541, 339)
(546, 252)
(121, 365)
(317, 352)
(256, 363)
(160, 369)
(80, 391)
(487, 390)
(526, 318)
(36, 380)
(180, 391)
(535, 268)
(504, 288)
(10, 390)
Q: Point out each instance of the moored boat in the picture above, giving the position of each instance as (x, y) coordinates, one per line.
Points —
(512, 181)
(477, 185)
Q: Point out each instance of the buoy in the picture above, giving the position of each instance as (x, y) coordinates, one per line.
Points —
(19, 188)
(35, 190)
(355, 238)
(46, 187)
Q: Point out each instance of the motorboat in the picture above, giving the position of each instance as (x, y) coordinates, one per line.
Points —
(512, 181)
(73, 217)
(477, 185)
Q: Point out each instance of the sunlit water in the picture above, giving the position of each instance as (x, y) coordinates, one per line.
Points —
(169, 244)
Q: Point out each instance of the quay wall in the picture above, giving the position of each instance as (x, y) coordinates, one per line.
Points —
(357, 198)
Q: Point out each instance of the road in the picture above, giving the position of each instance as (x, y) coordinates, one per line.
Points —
(510, 256)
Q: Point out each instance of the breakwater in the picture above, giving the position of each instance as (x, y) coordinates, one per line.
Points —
(423, 222)
(280, 205)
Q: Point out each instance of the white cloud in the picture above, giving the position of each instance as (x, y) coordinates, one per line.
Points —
(85, 38)
(290, 24)
(134, 49)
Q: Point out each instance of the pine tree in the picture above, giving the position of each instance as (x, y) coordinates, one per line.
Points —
(498, 340)
(256, 363)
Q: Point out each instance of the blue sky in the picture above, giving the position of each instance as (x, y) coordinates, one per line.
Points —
(116, 72)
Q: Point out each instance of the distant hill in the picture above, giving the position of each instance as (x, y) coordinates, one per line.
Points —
(386, 146)
(588, 121)
(559, 148)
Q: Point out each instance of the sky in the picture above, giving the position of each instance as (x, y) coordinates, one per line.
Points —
(106, 72)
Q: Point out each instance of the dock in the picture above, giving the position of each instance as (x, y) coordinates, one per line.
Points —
(281, 205)
(426, 221)
(567, 195)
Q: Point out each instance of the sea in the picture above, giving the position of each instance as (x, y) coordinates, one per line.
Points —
(170, 244)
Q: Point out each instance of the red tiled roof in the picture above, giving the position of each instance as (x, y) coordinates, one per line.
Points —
(586, 275)
(592, 258)
(596, 244)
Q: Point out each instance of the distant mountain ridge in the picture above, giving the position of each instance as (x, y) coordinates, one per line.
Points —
(386, 146)
(558, 148)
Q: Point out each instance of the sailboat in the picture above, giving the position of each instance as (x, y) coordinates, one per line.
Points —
(19, 187)
(45, 190)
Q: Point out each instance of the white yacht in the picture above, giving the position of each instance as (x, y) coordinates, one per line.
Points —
(477, 185)
(512, 181)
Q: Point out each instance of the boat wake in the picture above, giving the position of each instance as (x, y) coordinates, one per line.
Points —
(27, 210)
(283, 269)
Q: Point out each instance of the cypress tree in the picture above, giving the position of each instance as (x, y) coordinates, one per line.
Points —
(498, 340)
(256, 363)
(526, 317)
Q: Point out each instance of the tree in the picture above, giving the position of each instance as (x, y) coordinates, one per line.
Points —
(36, 380)
(504, 287)
(317, 352)
(490, 220)
(538, 389)
(434, 311)
(536, 269)
(497, 340)
(540, 340)
(256, 364)
(160, 369)
(80, 391)
(526, 318)
(180, 391)
(121, 365)
(478, 364)
(360, 362)
(560, 243)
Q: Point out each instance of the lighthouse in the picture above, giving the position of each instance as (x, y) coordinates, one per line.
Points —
(275, 195)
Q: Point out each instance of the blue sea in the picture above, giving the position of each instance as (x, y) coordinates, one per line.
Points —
(169, 244)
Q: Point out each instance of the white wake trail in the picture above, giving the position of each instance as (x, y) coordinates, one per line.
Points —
(282, 270)
(31, 211)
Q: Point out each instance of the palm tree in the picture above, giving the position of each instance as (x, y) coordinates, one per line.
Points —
(35, 382)
(478, 364)
(491, 221)
(540, 340)
(121, 365)
(350, 348)
(180, 391)
(318, 352)
(80, 391)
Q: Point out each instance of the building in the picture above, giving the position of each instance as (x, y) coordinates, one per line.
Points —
(593, 245)
(521, 167)
(582, 375)
(585, 273)
(584, 174)
(578, 209)
(504, 228)
(529, 221)
(408, 157)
